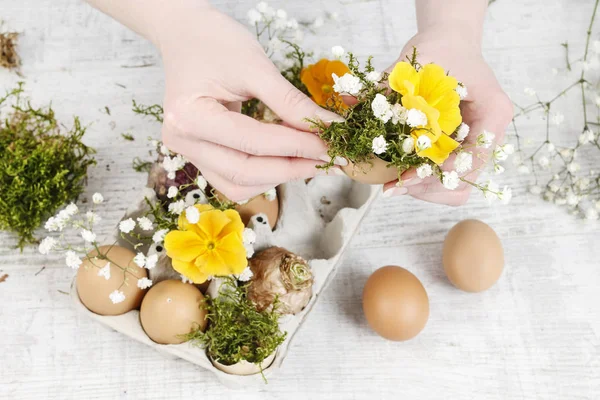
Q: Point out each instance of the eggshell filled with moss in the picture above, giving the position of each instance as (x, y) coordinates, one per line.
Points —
(171, 310)
(372, 172)
(94, 288)
(244, 367)
(257, 205)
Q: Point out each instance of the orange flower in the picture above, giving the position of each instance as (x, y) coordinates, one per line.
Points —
(319, 82)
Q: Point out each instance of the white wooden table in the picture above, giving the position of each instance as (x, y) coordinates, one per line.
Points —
(535, 335)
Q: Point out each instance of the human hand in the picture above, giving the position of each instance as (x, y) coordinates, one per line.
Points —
(212, 64)
(485, 107)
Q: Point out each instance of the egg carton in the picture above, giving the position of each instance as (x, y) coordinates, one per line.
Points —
(316, 221)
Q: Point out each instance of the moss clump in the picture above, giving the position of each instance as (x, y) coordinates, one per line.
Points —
(40, 168)
(237, 330)
(9, 58)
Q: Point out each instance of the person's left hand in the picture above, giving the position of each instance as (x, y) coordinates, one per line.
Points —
(486, 107)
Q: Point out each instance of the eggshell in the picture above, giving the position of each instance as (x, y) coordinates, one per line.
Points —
(94, 290)
(244, 367)
(257, 205)
(374, 172)
(395, 303)
(170, 309)
(473, 257)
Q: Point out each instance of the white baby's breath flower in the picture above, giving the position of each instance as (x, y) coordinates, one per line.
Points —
(164, 150)
(379, 145)
(249, 236)
(71, 209)
(177, 207)
(554, 187)
(450, 180)
(140, 259)
(408, 145)
(172, 192)
(573, 167)
(572, 199)
(249, 250)
(381, 108)
(498, 169)
(275, 44)
(338, 52)
(246, 275)
(586, 137)
(262, 7)
(462, 132)
(373, 76)
(485, 139)
(201, 182)
(293, 25)
(398, 114)
(97, 198)
(557, 118)
(591, 214)
(347, 84)
(281, 14)
(254, 16)
(566, 153)
(463, 161)
(88, 235)
(491, 190)
(185, 279)
(318, 22)
(529, 91)
(47, 245)
(192, 215)
(92, 217)
(145, 223)
(334, 15)
(499, 154)
(117, 297)
(523, 169)
(72, 259)
(149, 194)
(271, 194)
(505, 195)
(172, 165)
(105, 271)
(159, 235)
(424, 171)
(144, 283)
(550, 147)
(127, 225)
(462, 91)
(151, 261)
(416, 118)
(55, 224)
(543, 162)
(154, 143)
(423, 143)
(535, 189)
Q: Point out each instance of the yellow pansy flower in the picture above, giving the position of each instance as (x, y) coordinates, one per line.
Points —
(319, 81)
(211, 247)
(432, 92)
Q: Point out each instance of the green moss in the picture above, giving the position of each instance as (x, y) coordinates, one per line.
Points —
(127, 136)
(155, 111)
(41, 168)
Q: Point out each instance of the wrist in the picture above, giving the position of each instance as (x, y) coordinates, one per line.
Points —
(452, 33)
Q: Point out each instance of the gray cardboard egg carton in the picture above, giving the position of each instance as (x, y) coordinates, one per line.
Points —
(317, 221)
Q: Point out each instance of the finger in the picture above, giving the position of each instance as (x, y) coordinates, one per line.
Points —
(349, 100)
(208, 120)
(290, 104)
(232, 191)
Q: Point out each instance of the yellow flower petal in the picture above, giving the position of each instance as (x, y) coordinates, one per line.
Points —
(450, 117)
(432, 114)
(212, 223)
(435, 84)
(183, 245)
(190, 271)
(235, 225)
(404, 79)
(319, 82)
(183, 223)
(440, 150)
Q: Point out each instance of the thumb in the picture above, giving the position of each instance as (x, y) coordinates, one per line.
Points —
(290, 104)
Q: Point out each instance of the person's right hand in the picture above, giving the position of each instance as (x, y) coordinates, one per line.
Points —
(212, 64)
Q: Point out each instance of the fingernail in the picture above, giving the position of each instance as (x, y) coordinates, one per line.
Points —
(328, 116)
(395, 191)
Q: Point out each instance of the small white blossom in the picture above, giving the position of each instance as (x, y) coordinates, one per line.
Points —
(281, 14)
(318, 22)
(554, 187)
(164, 150)
(573, 167)
(159, 235)
(97, 198)
(71, 209)
(424, 171)
(72, 260)
(249, 236)
(47, 245)
(172, 165)
(154, 143)
(201, 182)
(117, 297)
(88, 235)
(382, 110)
(262, 7)
(490, 191)
(55, 224)
(140, 259)
(535, 189)
(379, 145)
(485, 139)
(196, 196)
(145, 223)
(398, 114)
(144, 283)
(550, 147)
(462, 91)
(249, 250)
(151, 261)
(462, 132)
(347, 84)
(499, 154)
(423, 143)
(463, 161)
(275, 44)
(597, 205)
(172, 192)
(338, 52)
(523, 169)
(416, 118)
(270, 194)
(293, 24)
(586, 137)
(334, 16)
(498, 169)
(555, 71)
(254, 16)
(543, 162)
(246, 275)
(566, 153)
(127, 225)
(185, 279)
(105, 271)
(177, 207)
(505, 195)
(529, 91)
(591, 214)
(450, 180)
(557, 118)
(408, 145)
(192, 215)
(92, 217)
(373, 76)
(572, 199)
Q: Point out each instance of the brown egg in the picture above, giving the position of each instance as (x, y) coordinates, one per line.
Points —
(374, 172)
(395, 303)
(257, 205)
(171, 309)
(94, 290)
(473, 257)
